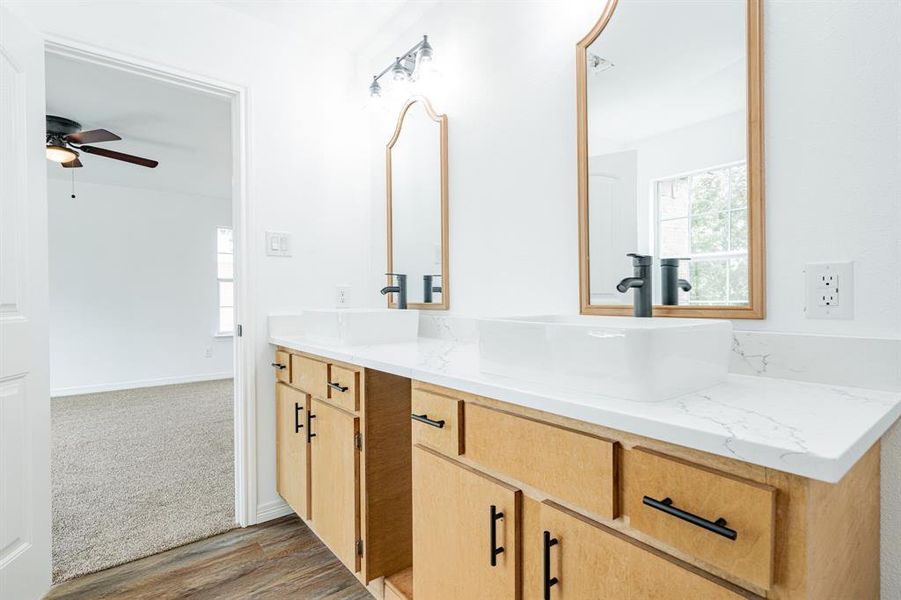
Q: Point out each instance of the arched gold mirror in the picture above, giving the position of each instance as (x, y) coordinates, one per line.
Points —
(416, 184)
(670, 151)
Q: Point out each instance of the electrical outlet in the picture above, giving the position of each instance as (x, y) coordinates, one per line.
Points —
(208, 352)
(827, 298)
(829, 290)
(342, 296)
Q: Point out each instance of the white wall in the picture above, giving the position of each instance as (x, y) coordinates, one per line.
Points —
(133, 290)
(832, 153)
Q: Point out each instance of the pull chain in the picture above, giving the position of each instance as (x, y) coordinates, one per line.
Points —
(73, 183)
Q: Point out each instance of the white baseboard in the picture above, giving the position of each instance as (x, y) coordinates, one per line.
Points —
(273, 510)
(141, 383)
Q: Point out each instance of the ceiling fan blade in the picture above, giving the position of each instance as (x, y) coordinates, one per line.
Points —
(72, 164)
(92, 137)
(135, 160)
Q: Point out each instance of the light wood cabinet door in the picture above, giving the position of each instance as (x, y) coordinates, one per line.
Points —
(458, 533)
(292, 457)
(581, 559)
(335, 480)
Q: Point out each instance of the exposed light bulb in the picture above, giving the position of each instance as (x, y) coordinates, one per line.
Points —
(60, 154)
(375, 90)
(425, 51)
(398, 72)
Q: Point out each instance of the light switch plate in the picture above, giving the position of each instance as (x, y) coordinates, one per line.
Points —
(829, 290)
(278, 243)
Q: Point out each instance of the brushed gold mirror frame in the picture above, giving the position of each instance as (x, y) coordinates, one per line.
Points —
(756, 219)
(445, 273)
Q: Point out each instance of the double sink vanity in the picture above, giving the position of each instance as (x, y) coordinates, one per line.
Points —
(599, 455)
(572, 457)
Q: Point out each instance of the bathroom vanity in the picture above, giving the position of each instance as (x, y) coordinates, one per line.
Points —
(426, 474)
(577, 457)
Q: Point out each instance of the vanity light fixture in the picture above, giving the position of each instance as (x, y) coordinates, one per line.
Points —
(405, 67)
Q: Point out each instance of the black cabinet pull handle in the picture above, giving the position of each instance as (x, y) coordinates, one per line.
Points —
(336, 386)
(279, 366)
(425, 419)
(297, 424)
(549, 581)
(666, 505)
(310, 434)
(495, 517)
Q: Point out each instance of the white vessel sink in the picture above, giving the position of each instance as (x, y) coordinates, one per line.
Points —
(625, 357)
(348, 326)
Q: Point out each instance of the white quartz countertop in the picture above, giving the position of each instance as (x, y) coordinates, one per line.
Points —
(813, 430)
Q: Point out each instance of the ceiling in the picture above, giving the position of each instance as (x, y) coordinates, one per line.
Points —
(352, 23)
(187, 131)
(676, 64)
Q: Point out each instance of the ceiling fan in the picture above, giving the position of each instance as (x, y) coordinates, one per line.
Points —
(65, 139)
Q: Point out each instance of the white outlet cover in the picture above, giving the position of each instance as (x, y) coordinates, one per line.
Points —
(342, 296)
(829, 290)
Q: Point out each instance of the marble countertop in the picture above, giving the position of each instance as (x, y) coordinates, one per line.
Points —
(808, 429)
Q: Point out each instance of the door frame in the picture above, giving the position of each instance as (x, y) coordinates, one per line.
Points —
(242, 219)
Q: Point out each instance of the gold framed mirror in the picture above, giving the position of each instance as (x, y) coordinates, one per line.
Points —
(417, 197)
(670, 156)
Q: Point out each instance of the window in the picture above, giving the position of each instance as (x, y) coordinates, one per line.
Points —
(704, 216)
(225, 269)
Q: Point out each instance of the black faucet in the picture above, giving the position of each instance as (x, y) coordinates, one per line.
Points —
(670, 284)
(400, 289)
(641, 283)
(428, 287)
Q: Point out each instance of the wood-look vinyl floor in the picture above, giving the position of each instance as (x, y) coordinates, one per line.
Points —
(278, 559)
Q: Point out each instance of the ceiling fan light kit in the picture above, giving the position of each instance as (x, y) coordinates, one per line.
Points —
(65, 138)
(60, 154)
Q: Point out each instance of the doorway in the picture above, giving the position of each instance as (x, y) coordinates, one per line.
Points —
(148, 370)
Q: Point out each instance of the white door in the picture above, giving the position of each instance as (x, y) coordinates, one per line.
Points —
(24, 356)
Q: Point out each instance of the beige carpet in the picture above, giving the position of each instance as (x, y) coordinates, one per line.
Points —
(139, 471)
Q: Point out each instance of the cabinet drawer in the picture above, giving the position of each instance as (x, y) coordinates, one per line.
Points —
(438, 422)
(580, 558)
(309, 375)
(569, 465)
(282, 366)
(723, 520)
(344, 387)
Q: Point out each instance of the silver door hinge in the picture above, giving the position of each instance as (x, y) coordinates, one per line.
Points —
(359, 547)
(239, 330)
(358, 441)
